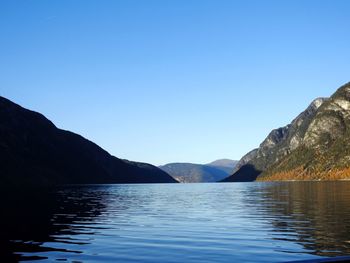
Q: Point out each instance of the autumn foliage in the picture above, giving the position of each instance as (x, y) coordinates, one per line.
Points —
(301, 174)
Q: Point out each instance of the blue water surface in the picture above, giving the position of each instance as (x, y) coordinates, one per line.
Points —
(218, 222)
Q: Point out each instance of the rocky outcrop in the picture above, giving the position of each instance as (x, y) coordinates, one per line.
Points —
(33, 151)
(313, 147)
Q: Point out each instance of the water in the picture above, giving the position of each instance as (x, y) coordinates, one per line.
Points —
(231, 222)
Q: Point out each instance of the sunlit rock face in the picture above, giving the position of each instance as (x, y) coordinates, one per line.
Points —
(330, 122)
(318, 131)
(324, 128)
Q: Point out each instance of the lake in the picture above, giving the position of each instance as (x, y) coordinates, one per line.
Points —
(218, 222)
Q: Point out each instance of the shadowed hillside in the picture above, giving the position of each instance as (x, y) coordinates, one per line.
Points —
(34, 152)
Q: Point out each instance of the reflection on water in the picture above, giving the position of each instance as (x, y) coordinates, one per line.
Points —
(315, 215)
(32, 219)
(247, 222)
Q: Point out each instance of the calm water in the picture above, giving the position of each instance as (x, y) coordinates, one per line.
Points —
(232, 222)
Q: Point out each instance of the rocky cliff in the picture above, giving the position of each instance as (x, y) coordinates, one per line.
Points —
(315, 146)
(34, 152)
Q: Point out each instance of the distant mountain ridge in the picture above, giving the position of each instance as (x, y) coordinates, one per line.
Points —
(33, 151)
(315, 146)
(199, 173)
(226, 165)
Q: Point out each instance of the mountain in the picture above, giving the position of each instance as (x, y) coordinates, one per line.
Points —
(315, 146)
(226, 165)
(33, 151)
(199, 173)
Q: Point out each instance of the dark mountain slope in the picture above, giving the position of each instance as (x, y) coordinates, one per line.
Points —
(33, 151)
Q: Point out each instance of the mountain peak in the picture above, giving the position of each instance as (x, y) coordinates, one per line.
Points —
(200, 173)
(314, 144)
(316, 103)
(223, 162)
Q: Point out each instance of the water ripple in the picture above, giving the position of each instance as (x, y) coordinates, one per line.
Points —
(246, 222)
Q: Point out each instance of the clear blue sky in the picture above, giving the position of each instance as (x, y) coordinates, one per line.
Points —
(165, 81)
